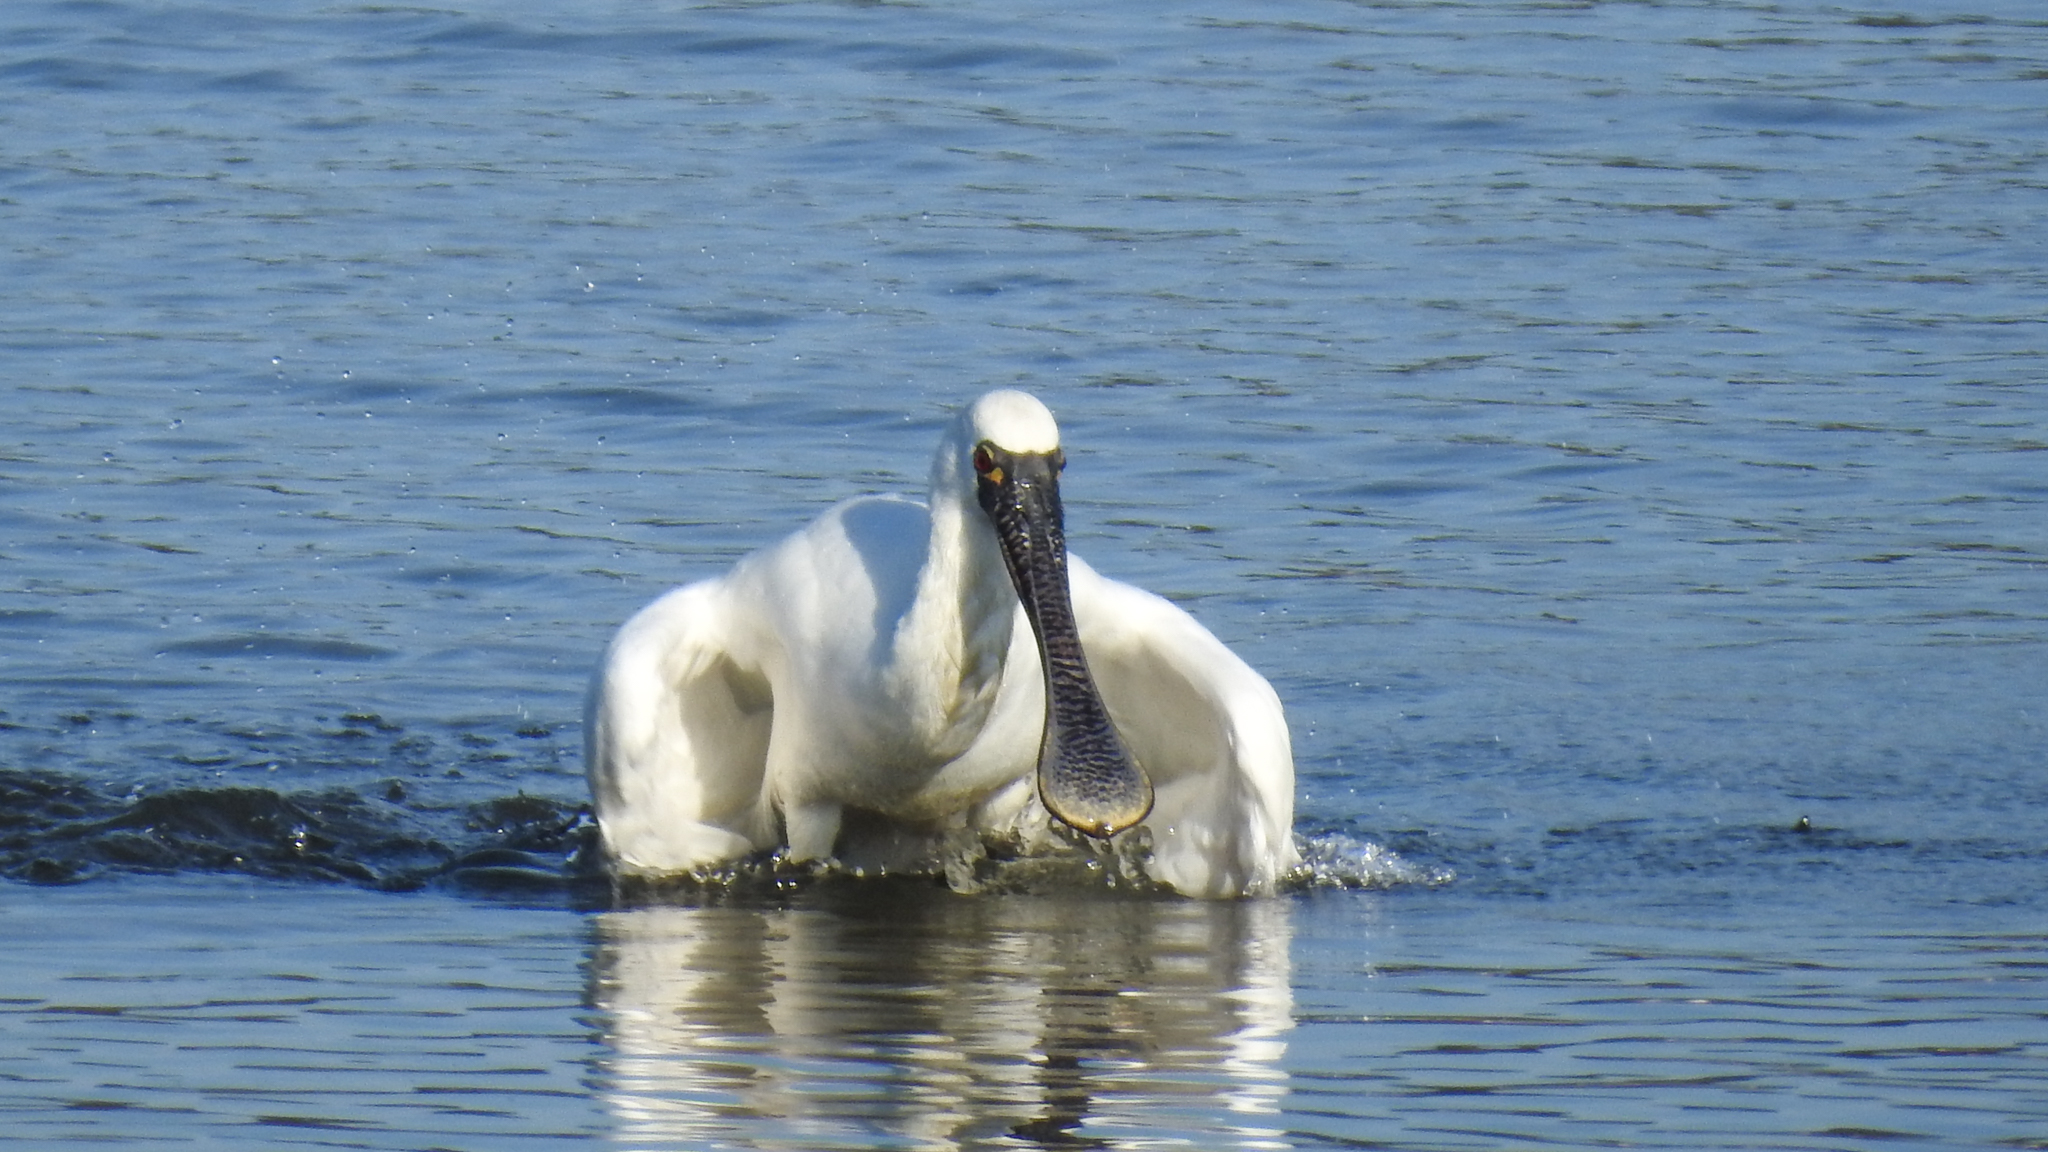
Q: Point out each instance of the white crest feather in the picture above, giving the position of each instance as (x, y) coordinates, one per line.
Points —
(1014, 422)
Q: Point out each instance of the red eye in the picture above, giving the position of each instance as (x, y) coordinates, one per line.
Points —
(983, 462)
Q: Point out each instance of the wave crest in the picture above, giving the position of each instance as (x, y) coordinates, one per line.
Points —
(1335, 860)
(58, 830)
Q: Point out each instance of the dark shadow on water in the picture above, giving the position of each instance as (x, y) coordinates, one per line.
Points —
(59, 829)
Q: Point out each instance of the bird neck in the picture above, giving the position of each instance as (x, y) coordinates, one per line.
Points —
(951, 647)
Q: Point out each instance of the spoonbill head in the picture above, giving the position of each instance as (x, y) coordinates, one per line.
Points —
(936, 667)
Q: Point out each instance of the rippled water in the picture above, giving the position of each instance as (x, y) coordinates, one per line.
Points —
(241, 1016)
(1618, 431)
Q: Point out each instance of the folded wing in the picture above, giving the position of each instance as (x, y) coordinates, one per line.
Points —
(1205, 727)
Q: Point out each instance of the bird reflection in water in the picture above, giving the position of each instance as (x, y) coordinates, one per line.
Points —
(891, 1018)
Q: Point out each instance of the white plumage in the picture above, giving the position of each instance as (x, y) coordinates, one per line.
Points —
(893, 658)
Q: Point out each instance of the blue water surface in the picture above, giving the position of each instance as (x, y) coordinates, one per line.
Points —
(1617, 430)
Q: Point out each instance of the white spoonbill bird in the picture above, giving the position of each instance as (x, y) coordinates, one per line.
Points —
(938, 667)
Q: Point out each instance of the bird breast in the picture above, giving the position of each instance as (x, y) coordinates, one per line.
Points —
(893, 667)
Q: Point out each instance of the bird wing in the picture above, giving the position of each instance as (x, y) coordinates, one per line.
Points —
(677, 721)
(1205, 727)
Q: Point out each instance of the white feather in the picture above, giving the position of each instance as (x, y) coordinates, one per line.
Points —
(879, 660)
